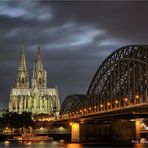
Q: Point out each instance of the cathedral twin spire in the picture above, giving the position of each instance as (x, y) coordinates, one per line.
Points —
(22, 63)
(38, 62)
(39, 74)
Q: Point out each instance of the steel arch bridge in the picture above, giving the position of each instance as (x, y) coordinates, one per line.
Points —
(119, 87)
(72, 104)
(121, 80)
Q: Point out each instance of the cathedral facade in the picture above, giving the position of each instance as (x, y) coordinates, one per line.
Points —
(36, 98)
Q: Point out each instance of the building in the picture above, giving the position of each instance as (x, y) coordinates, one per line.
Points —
(36, 98)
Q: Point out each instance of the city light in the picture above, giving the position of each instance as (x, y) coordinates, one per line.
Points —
(41, 128)
(108, 104)
(137, 96)
(101, 105)
(116, 101)
(126, 99)
(70, 123)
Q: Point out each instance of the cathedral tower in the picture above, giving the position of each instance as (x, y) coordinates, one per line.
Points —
(37, 99)
(39, 74)
(22, 80)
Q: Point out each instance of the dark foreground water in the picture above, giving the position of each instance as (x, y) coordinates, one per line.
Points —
(62, 144)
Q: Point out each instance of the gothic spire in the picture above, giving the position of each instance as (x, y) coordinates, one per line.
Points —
(22, 80)
(38, 63)
(22, 62)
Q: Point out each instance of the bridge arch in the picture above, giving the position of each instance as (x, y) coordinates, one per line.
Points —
(121, 80)
(72, 104)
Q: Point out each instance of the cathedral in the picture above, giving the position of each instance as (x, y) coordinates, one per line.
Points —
(36, 98)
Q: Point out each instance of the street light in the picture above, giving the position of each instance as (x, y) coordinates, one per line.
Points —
(116, 101)
(126, 99)
(70, 123)
(137, 96)
(108, 104)
(85, 109)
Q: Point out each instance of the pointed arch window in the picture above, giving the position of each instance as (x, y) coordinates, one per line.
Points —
(40, 80)
(23, 81)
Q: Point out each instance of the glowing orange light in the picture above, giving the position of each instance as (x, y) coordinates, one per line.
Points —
(95, 107)
(125, 99)
(70, 123)
(89, 108)
(85, 109)
(137, 97)
(101, 105)
(108, 104)
(116, 102)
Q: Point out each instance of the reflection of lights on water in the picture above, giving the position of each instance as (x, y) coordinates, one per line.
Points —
(29, 143)
(41, 142)
(61, 128)
(54, 143)
(6, 143)
(137, 145)
(74, 145)
(61, 141)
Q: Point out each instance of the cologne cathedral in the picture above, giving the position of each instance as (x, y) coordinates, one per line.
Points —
(36, 98)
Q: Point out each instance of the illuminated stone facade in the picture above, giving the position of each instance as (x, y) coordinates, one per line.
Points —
(37, 98)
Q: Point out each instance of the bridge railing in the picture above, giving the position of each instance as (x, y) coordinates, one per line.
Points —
(86, 111)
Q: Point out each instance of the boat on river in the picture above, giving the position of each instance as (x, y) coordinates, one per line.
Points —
(31, 137)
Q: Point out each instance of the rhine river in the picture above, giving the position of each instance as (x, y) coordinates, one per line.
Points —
(62, 144)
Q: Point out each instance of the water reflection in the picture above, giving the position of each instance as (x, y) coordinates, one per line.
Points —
(63, 144)
(7, 143)
(140, 145)
(74, 145)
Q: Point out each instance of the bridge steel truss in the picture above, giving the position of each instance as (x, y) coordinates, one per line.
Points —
(72, 104)
(121, 80)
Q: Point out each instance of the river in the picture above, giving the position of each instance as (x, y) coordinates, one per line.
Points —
(62, 144)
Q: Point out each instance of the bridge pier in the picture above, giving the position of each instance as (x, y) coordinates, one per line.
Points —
(94, 132)
(137, 130)
(119, 130)
(75, 132)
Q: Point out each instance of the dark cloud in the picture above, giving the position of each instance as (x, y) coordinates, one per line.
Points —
(75, 38)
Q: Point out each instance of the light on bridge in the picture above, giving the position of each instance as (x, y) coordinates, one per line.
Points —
(101, 105)
(126, 99)
(108, 104)
(95, 107)
(137, 97)
(116, 101)
(85, 109)
(89, 108)
(70, 123)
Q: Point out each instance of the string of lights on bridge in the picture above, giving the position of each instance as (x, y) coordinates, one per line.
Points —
(102, 108)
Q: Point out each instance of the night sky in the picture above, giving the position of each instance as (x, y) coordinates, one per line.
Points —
(75, 38)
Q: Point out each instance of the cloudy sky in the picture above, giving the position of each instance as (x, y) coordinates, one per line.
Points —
(75, 38)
